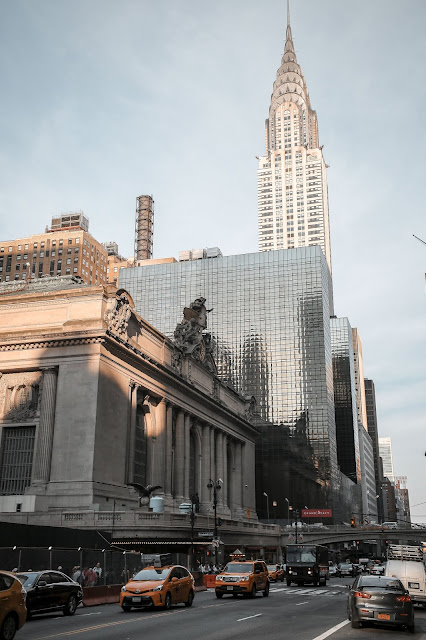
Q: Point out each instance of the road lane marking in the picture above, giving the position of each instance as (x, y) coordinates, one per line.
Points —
(299, 603)
(248, 617)
(104, 625)
(97, 613)
(74, 632)
(332, 630)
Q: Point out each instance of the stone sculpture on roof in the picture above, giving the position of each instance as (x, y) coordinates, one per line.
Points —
(190, 336)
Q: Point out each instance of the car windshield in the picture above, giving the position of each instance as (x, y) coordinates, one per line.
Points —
(345, 566)
(238, 567)
(381, 583)
(272, 567)
(301, 554)
(151, 574)
(27, 579)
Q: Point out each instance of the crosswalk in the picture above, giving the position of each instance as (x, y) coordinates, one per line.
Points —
(306, 592)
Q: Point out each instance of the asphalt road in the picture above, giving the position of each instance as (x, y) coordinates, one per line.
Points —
(296, 613)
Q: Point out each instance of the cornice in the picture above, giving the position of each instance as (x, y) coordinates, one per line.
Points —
(51, 342)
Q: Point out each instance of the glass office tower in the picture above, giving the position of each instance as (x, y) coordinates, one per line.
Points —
(271, 333)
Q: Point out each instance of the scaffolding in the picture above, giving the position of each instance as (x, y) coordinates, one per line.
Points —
(144, 229)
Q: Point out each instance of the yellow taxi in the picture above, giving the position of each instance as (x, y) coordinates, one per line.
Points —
(246, 577)
(158, 586)
(13, 612)
(275, 572)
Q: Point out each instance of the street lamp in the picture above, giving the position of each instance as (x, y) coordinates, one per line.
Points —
(274, 505)
(296, 518)
(267, 505)
(216, 486)
(288, 510)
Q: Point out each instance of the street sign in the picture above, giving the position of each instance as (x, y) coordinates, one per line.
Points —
(317, 513)
(205, 534)
(215, 543)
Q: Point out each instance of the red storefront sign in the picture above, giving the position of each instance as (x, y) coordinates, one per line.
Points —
(317, 513)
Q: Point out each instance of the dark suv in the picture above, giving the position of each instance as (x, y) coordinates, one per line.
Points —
(50, 591)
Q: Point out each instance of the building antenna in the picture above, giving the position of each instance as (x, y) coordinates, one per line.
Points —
(288, 13)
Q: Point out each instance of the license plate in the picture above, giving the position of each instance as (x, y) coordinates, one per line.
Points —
(230, 588)
(294, 573)
(383, 616)
(137, 599)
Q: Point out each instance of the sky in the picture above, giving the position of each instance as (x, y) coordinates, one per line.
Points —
(105, 100)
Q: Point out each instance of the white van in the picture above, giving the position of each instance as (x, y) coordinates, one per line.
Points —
(412, 572)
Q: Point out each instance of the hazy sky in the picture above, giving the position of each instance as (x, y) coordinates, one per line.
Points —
(104, 100)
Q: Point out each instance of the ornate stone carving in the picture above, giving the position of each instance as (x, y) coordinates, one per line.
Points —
(118, 317)
(250, 407)
(20, 395)
(190, 336)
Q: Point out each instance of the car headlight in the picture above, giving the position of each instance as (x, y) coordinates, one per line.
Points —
(159, 588)
(244, 578)
(219, 578)
(123, 589)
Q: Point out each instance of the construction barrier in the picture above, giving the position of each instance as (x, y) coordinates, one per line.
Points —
(101, 594)
(209, 580)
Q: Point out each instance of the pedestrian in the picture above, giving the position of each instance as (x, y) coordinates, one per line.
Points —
(98, 570)
(77, 575)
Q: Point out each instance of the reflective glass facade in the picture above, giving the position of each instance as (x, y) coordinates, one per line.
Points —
(345, 398)
(271, 332)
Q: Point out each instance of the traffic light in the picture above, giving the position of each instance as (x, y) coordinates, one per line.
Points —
(353, 522)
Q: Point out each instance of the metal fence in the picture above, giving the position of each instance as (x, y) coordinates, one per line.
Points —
(116, 567)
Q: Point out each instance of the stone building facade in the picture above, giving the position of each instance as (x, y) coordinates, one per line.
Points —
(97, 408)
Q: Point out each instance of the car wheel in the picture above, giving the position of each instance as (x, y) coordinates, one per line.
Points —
(125, 607)
(8, 628)
(235, 595)
(168, 601)
(220, 595)
(266, 590)
(253, 591)
(288, 583)
(190, 600)
(411, 628)
(282, 579)
(71, 606)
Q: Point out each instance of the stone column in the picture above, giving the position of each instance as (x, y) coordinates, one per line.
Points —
(219, 468)
(158, 469)
(225, 469)
(168, 456)
(213, 474)
(187, 447)
(236, 481)
(130, 453)
(43, 455)
(239, 476)
(205, 466)
(179, 456)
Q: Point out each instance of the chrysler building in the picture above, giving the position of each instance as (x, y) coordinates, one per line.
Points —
(292, 177)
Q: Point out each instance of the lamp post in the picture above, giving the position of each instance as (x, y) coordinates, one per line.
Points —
(288, 510)
(296, 517)
(216, 486)
(267, 505)
(274, 505)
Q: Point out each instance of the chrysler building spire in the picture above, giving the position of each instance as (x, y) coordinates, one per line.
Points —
(292, 180)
